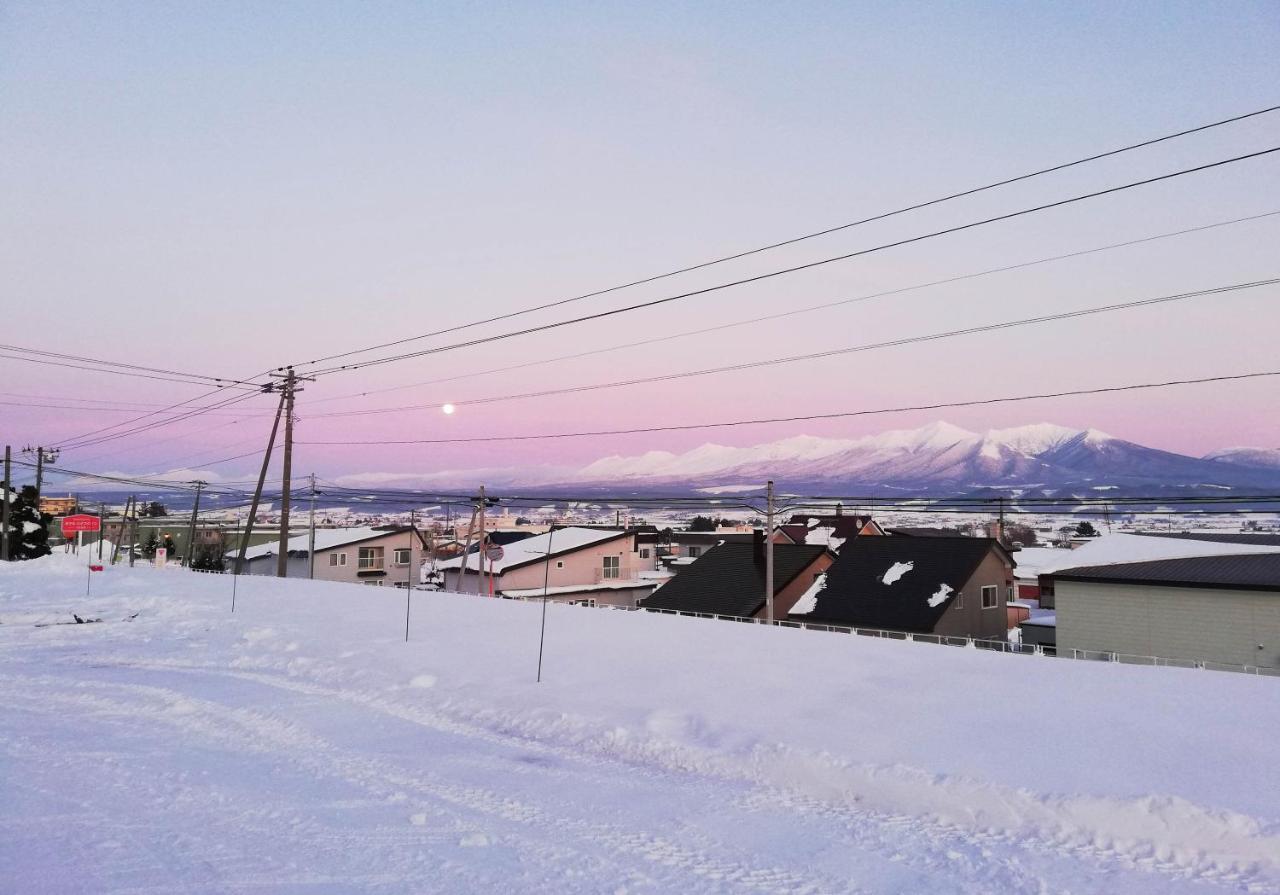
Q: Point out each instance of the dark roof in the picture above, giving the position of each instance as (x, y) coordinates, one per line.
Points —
(1262, 540)
(1252, 571)
(729, 579)
(925, 532)
(856, 595)
(844, 526)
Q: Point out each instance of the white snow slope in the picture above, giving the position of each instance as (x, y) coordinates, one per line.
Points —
(300, 745)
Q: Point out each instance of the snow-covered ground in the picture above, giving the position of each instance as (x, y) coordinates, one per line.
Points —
(300, 745)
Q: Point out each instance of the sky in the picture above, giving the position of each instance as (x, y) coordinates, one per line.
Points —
(228, 188)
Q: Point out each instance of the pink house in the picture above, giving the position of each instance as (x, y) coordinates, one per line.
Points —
(569, 564)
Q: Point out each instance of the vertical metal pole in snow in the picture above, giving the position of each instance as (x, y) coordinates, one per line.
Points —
(768, 556)
(546, 586)
(311, 537)
(483, 547)
(408, 585)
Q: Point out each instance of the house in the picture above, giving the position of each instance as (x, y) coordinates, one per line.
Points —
(1223, 609)
(729, 579)
(1110, 549)
(955, 586)
(375, 556)
(58, 506)
(581, 565)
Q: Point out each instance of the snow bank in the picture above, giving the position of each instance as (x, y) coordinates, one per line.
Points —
(817, 756)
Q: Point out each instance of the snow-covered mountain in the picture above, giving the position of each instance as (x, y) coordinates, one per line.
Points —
(937, 455)
(1260, 458)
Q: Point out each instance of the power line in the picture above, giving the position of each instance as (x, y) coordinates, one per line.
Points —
(796, 239)
(810, 417)
(114, 372)
(121, 365)
(796, 268)
(86, 441)
(815, 355)
(799, 311)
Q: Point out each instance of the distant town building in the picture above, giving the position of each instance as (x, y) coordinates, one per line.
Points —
(58, 506)
(374, 556)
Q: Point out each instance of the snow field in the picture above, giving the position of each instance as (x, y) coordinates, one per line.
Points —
(301, 745)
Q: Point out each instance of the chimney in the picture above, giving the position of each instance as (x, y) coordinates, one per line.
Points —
(839, 509)
(757, 545)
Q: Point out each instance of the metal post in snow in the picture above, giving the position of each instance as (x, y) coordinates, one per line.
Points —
(768, 556)
(546, 586)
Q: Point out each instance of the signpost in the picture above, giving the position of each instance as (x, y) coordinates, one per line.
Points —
(493, 553)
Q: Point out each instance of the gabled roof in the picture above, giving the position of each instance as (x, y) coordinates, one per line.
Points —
(729, 579)
(1258, 571)
(1125, 548)
(844, 526)
(326, 539)
(535, 549)
(896, 583)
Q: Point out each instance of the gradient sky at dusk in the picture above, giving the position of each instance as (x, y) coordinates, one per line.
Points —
(228, 187)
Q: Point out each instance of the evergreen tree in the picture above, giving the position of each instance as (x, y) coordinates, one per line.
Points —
(28, 527)
(150, 545)
(1086, 530)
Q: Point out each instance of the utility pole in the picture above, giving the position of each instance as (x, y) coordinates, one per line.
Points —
(257, 492)
(102, 527)
(124, 521)
(311, 537)
(483, 547)
(290, 386)
(189, 554)
(42, 454)
(4, 524)
(133, 533)
(1000, 524)
(768, 555)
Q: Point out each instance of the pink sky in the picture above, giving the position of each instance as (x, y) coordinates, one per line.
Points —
(187, 195)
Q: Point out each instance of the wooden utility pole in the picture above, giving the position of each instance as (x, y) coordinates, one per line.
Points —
(4, 523)
(188, 556)
(102, 527)
(290, 386)
(257, 492)
(133, 533)
(311, 527)
(466, 553)
(768, 556)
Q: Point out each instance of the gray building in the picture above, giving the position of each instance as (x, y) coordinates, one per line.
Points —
(1217, 609)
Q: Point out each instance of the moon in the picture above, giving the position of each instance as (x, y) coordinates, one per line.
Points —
(448, 408)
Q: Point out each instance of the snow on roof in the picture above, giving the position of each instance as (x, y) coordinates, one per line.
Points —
(896, 571)
(940, 596)
(1123, 548)
(1048, 620)
(809, 599)
(531, 549)
(326, 539)
(577, 588)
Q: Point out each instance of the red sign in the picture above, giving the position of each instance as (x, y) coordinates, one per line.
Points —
(95, 568)
(73, 524)
(494, 552)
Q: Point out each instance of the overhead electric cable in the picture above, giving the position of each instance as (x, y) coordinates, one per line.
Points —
(824, 232)
(795, 268)
(844, 414)
(815, 355)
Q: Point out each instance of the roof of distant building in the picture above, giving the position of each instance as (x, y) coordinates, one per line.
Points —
(896, 583)
(1260, 539)
(1259, 571)
(539, 548)
(326, 539)
(729, 579)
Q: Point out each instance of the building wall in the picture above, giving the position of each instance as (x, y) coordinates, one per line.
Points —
(785, 599)
(972, 620)
(1194, 624)
(351, 572)
(584, 566)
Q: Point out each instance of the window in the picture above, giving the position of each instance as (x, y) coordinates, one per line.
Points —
(337, 559)
(403, 556)
(1008, 593)
(377, 582)
(959, 603)
(612, 566)
(990, 596)
(693, 551)
(559, 563)
(371, 557)
(644, 552)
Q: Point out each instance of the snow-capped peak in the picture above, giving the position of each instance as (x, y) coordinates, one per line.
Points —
(1037, 438)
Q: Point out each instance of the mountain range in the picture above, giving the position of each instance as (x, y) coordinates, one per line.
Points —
(942, 457)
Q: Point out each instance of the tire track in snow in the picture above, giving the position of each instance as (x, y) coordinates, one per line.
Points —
(933, 844)
(212, 721)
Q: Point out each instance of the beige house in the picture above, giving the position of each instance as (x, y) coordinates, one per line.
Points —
(579, 565)
(380, 557)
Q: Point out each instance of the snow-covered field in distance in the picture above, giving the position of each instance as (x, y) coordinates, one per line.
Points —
(300, 745)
